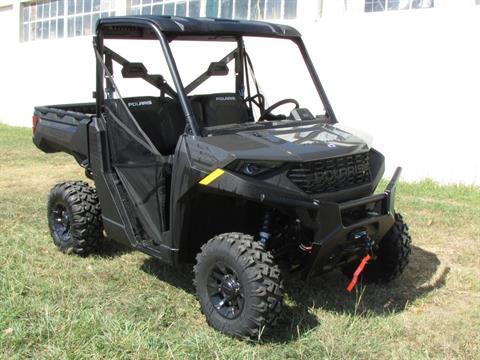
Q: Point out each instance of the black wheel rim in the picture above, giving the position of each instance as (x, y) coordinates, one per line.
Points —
(225, 291)
(61, 222)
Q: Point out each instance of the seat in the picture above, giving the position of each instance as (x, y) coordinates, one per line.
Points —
(161, 119)
(219, 109)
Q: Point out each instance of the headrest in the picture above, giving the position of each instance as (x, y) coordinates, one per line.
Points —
(222, 109)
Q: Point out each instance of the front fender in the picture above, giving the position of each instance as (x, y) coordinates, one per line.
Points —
(228, 183)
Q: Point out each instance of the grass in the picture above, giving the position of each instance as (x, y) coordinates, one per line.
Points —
(124, 304)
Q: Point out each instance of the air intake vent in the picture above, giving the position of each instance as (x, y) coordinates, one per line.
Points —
(331, 175)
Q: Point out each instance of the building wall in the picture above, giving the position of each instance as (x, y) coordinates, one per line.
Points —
(409, 78)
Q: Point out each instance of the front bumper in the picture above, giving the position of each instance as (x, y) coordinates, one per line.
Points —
(331, 223)
(334, 242)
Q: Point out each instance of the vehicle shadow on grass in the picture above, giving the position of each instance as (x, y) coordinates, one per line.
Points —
(180, 277)
(328, 292)
(110, 249)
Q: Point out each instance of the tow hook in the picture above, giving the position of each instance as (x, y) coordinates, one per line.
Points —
(357, 272)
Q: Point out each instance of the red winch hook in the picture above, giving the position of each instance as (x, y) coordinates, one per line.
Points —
(357, 272)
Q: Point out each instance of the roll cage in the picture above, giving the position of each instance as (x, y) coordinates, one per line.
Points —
(166, 29)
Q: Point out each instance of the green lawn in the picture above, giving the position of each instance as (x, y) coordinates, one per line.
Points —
(123, 304)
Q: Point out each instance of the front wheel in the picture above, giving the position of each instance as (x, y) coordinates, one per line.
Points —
(392, 255)
(238, 285)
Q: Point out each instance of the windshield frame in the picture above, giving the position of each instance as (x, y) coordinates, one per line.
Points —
(196, 127)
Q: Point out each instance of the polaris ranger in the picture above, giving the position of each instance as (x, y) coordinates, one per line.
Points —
(213, 176)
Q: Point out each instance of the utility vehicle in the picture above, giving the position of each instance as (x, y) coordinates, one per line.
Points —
(200, 170)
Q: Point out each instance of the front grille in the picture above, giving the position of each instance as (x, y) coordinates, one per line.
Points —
(331, 175)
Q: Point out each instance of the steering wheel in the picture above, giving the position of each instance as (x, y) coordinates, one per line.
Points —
(277, 104)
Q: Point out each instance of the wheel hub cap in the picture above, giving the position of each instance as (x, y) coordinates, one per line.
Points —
(61, 222)
(230, 287)
(225, 291)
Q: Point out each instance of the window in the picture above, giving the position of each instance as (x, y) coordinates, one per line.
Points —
(42, 20)
(382, 5)
(252, 9)
(82, 15)
(147, 52)
(295, 83)
(205, 52)
(165, 7)
(52, 19)
(229, 9)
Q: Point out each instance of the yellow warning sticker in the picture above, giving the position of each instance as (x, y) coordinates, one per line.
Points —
(211, 177)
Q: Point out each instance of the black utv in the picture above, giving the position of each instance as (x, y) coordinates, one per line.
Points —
(202, 167)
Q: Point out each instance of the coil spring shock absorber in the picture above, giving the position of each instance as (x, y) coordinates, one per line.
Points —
(264, 234)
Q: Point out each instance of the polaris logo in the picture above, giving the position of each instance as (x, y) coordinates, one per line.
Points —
(340, 174)
(225, 98)
(139, 103)
(362, 167)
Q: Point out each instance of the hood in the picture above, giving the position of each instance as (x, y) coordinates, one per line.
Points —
(299, 143)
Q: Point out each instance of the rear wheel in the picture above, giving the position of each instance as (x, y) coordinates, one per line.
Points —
(238, 285)
(392, 255)
(74, 217)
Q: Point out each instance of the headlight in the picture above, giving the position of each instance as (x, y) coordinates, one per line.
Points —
(253, 167)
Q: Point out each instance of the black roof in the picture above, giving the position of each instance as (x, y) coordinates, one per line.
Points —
(177, 25)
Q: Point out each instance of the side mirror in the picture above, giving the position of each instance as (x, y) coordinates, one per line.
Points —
(134, 70)
(217, 69)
